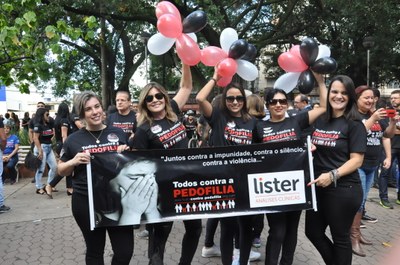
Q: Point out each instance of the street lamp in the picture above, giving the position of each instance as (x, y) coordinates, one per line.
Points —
(144, 37)
(368, 43)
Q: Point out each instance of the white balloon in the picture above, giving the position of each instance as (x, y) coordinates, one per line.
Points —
(159, 44)
(287, 82)
(323, 51)
(228, 36)
(246, 70)
(193, 36)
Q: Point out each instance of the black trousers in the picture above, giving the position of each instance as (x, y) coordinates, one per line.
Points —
(282, 235)
(121, 237)
(158, 236)
(336, 209)
(211, 227)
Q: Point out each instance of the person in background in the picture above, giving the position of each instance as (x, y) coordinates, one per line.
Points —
(301, 103)
(31, 124)
(227, 122)
(10, 154)
(341, 141)
(377, 128)
(3, 139)
(43, 132)
(63, 128)
(17, 123)
(395, 151)
(159, 128)
(124, 117)
(25, 122)
(190, 123)
(74, 161)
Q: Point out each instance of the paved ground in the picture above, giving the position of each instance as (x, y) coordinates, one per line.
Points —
(42, 231)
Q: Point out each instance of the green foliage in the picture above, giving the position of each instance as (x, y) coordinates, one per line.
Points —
(23, 137)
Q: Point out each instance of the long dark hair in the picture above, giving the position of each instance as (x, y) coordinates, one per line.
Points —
(245, 115)
(62, 113)
(39, 116)
(351, 111)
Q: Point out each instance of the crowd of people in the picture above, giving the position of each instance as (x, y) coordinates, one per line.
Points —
(350, 137)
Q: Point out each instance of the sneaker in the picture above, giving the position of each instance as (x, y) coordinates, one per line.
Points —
(257, 242)
(386, 204)
(362, 225)
(213, 251)
(254, 255)
(4, 209)
(236, 262)
(143, 234)
(369, 219)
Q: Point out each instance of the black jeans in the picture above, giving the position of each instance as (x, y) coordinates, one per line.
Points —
(336, 209)
(158, 235)
(211, 227)
(282, 235)
(121, 237)
(386, 173)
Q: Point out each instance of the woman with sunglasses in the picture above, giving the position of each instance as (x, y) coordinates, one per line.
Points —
(159, 128)
(43, 132)
(231, 124)
(75, 156)
(341, 141)
(283, 226)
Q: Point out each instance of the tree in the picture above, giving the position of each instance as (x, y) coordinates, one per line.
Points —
(96, 44)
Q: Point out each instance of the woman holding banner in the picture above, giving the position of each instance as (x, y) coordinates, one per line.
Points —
(340, 139)
(160, 128)
(231, 125)
(283, 226)
(75, 156)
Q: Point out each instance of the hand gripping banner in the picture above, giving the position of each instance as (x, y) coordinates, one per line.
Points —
(179, 184)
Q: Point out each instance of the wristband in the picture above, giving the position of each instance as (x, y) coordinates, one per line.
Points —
(213, 79)
(334, 174)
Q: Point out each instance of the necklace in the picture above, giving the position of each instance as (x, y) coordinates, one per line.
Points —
(97, 138)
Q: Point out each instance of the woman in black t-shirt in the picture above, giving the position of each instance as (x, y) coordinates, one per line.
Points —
(75, 155)
(283, 226)
(159, 128)
(231, 125)
(62, 128)
(341, 140)
(43, 132)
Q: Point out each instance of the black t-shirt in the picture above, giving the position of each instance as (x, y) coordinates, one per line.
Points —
(46, 132)
(161, 134)
(59, 123)
(110, 138)
(74, 118)
(230, 130)
(190, 127)
(287, 130)
(126, 122)
(335, 140)
(374, 142)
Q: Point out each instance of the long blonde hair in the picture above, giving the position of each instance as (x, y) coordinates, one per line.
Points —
(145, 116)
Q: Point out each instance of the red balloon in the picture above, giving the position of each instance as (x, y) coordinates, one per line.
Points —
(165, 7)
(291, 63)
(169, 26)
(212, 55)
(227, 67)
(188, 50)
(295, 50)
(224, 81)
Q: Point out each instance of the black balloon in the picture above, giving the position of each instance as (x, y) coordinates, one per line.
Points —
(250, 54)
(194, 22)
(306, 82)
(309, 50)
(238, 49)
(325, 65)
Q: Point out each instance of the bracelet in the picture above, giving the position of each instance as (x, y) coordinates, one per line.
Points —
(213, 79)
(334, 174)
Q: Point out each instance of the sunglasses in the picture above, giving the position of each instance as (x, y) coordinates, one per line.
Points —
(232, 99)
(273, 102)
(150, 98)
